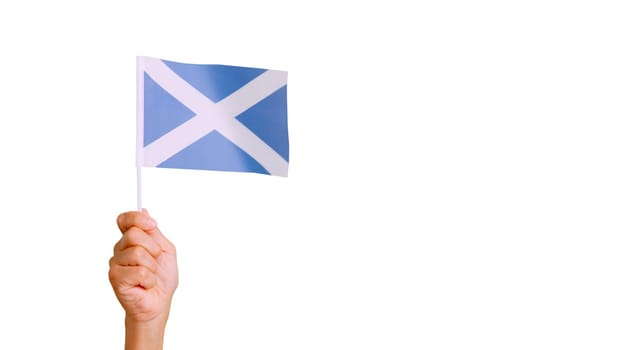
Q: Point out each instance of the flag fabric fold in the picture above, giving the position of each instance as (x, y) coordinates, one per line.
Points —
(211, 117)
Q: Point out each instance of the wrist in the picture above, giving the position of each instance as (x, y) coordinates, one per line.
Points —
(144, 335)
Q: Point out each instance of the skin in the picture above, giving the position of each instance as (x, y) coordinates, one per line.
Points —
(143, 274)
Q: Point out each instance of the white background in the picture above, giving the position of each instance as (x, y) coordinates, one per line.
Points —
(455, 176)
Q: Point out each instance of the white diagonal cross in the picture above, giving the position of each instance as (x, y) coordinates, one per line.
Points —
(211, 116)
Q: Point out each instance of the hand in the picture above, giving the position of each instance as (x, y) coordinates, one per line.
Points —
(143, 274)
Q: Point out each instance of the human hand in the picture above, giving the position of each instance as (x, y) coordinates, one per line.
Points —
(143, 274)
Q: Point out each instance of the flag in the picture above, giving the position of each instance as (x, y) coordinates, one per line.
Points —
(211, 117)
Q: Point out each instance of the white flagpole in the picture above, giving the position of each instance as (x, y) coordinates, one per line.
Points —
(139, 187)
(139, 130)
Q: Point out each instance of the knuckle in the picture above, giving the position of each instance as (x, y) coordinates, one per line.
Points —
(130, 234)
(113, 273)
(116, 246)
(120, 218)
(143, 273)
(133, 235)
(135, 253)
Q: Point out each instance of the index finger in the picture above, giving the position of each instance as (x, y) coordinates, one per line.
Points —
(139, 219)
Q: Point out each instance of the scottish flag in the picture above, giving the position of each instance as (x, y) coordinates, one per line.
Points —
(211, 117)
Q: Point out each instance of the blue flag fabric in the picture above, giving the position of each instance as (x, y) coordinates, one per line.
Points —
(211, 117)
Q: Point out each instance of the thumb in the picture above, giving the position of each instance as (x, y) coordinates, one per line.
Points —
(157, 235)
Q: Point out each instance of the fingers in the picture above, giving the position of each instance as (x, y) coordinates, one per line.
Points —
(132, 276)
(163, 242)
(157, 235)
(137, 237)
(134, 260)
(144, 221)
(133, 264)
(140, 219)
(135, 256)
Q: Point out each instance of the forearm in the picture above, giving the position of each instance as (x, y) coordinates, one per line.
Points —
(144, 336)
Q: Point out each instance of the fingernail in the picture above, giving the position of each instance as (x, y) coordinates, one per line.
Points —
(151, 222)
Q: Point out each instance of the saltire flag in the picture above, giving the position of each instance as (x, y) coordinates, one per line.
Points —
(211, 117)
